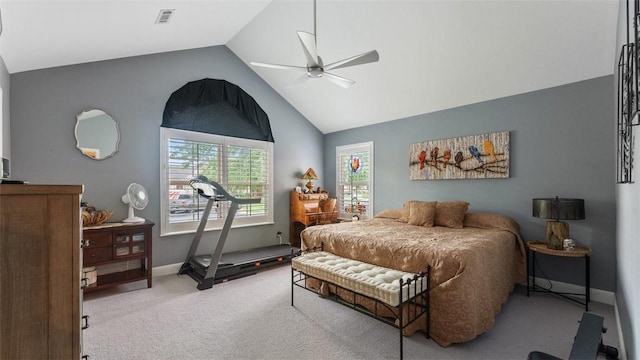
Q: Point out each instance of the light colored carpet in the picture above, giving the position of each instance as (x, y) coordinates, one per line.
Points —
(251, 318)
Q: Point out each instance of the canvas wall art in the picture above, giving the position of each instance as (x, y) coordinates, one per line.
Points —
(484, 156)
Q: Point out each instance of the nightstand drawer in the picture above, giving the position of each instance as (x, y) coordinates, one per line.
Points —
(97, 240)
(97, 254)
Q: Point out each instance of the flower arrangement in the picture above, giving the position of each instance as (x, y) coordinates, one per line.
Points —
(356, 209)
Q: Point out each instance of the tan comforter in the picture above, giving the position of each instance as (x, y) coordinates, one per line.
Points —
(473, 269)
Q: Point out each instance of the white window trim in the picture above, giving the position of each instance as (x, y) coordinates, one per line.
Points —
(166, 228)
(349, 149)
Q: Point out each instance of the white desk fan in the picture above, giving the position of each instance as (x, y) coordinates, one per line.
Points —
(137, 198)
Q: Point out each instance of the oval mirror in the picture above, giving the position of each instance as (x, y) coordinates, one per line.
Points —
(97, 134)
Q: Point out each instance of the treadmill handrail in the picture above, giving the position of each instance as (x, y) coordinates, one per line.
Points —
(220, 193)
(212, 191)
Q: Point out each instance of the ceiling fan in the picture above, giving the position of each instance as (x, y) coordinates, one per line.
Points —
(315, 67)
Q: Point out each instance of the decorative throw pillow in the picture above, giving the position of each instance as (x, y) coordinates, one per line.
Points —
(451, 214)
(422, 213)
(406, 206)
(404, 214)
(390, 214)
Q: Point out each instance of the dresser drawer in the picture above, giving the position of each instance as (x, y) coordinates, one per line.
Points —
(96, 240)
(97, 254)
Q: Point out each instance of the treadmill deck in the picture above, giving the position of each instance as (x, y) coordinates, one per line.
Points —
(242, 263)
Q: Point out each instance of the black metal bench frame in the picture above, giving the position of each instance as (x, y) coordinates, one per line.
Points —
(417, 305)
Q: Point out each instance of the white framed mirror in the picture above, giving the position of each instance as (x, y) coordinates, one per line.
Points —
(97, 134)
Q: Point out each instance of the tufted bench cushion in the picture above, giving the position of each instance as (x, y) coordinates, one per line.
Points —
(376, 282)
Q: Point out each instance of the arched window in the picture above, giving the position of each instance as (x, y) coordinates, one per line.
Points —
(213, 128)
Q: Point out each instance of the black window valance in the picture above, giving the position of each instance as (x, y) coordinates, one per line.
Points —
(216, 107)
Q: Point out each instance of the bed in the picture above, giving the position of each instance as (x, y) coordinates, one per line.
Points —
(476, 259)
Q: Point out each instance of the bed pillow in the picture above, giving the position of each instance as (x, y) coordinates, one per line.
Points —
(390, 214)
(404, 213)
(485, 220)
(422, 213)
(451, 214)
(405, 209)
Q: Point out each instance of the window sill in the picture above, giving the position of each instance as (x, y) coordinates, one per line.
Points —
(173, 233)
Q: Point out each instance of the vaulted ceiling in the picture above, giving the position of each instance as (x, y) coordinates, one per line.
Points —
(434, 55)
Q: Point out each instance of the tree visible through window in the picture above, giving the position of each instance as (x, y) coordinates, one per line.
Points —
(243, 167)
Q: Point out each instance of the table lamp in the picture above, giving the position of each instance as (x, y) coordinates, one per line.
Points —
(310, 174)
(558, 209)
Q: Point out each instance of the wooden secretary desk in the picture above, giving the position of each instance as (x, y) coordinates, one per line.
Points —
(307, 210)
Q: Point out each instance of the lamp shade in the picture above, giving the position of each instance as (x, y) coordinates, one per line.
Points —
(558, 208)
(310, 174)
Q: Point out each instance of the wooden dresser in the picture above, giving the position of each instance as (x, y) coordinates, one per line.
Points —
(40, 269)
(303, 212)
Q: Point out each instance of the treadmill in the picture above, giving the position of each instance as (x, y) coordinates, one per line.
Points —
(207, 270)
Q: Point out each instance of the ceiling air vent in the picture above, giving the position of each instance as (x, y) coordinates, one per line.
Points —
(164, 15)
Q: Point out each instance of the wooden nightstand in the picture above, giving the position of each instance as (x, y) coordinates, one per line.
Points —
(584, 252)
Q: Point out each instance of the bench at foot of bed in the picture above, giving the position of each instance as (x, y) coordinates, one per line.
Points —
(399, 298)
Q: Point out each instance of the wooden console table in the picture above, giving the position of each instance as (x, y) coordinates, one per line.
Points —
(112, 243)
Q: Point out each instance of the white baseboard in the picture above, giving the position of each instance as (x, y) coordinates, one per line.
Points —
(622, 352)
(601, 296)
(171, 269)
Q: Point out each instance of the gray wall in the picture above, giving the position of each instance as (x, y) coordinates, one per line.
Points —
(561, 142)
(628, 228)
(44, 105)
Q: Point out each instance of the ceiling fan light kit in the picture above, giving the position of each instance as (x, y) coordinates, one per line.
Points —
(315, 68)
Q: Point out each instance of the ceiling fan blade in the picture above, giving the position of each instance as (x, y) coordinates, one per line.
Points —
(308, 41)
(298, 81)
(338, 80)
(368, 57)
(276, 66)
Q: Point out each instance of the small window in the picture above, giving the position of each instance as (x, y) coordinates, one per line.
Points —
(243, 167)
(354, 180)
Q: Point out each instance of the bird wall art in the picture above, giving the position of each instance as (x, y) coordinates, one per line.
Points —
(483, 156)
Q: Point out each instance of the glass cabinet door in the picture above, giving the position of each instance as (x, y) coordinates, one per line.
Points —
(137, 243)
(129, 244)
(122, 245)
